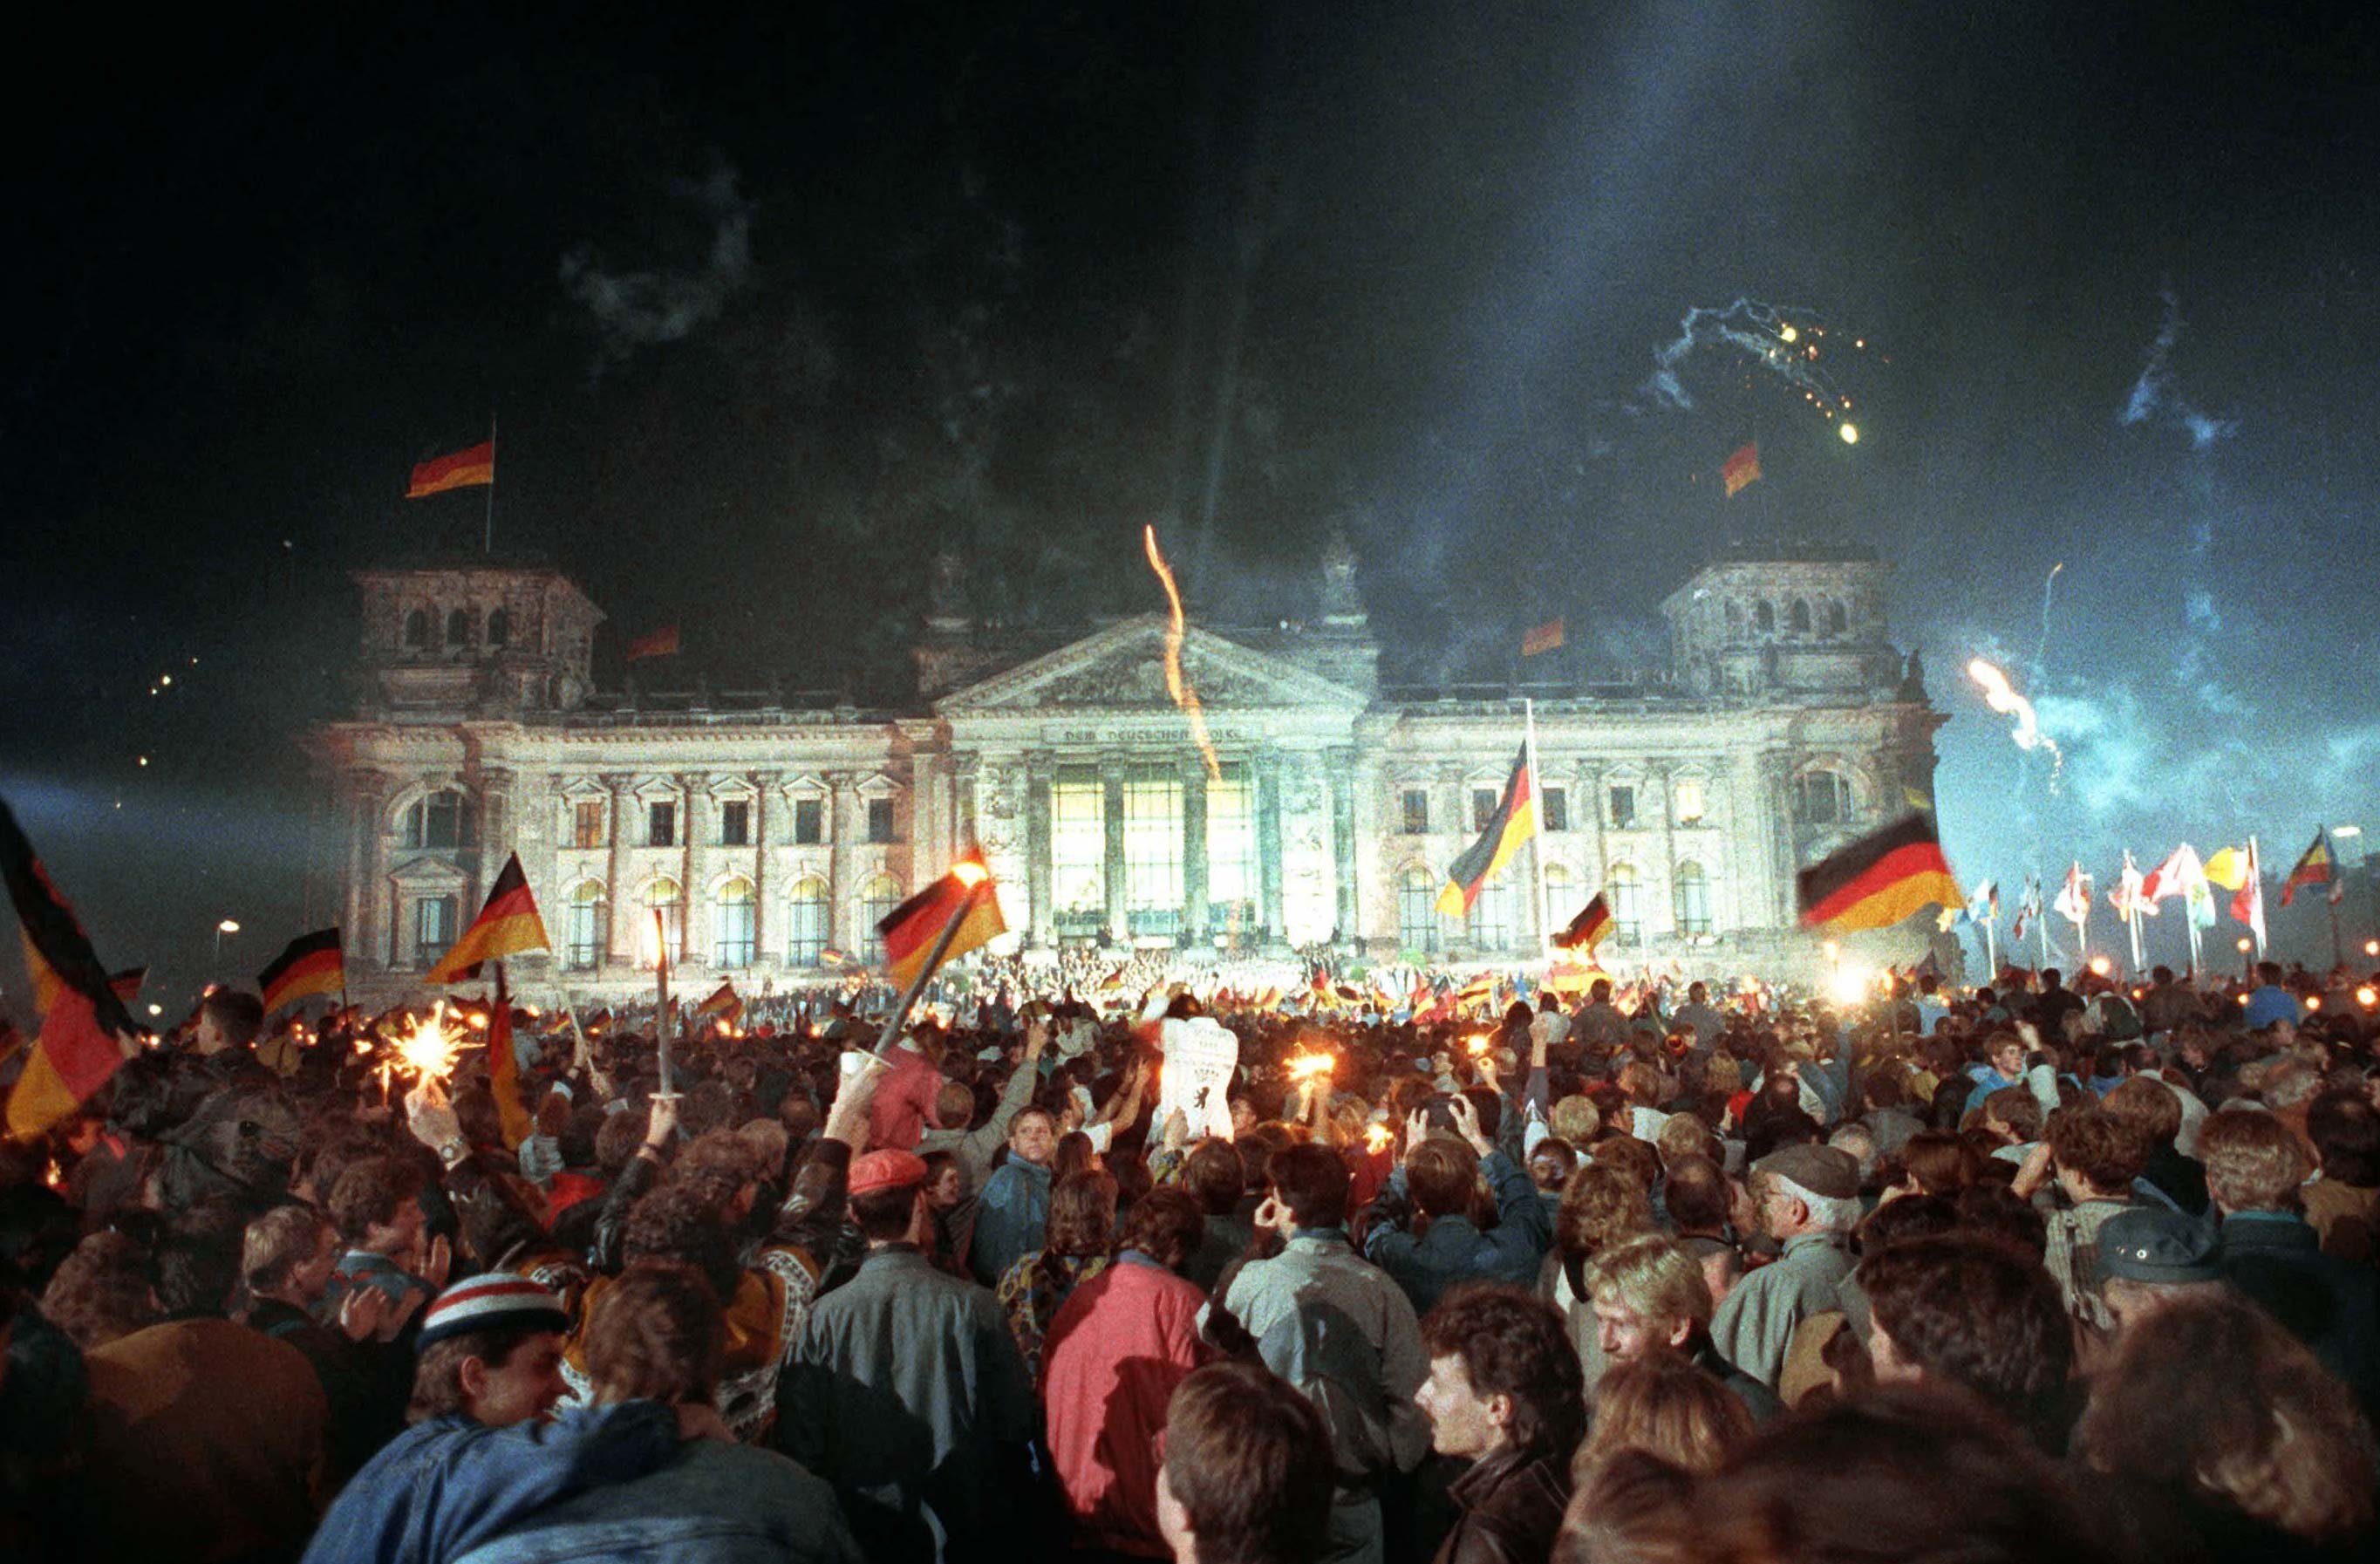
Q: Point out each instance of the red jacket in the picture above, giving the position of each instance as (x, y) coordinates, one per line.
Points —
(1113, 1357)
(903, 1109)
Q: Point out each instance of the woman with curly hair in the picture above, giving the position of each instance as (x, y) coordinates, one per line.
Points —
(2218, 1424)
(1081, 1240)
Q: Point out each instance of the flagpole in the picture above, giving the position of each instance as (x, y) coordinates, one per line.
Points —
(488, 544)
(1537, 838)
(1991, 951)
(2256, 894)
(891, 1033)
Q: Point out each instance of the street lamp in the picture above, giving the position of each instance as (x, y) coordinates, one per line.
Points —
(228, 926)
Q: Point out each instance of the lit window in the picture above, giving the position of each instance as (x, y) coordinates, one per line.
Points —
(1152, 849)
(1692, 896)
(734, 922)
(1557, 809)
(587, 824)
(1561, 896)
(1627, 914)
(809, 820)
(735, 823)
(805, 924)
(880, 820)
(661, 824)
(1078, 848)
(1689, 801)
(1416, 812)
(1232, 878)
(876, 899)
(1417, 912)
(585, 943)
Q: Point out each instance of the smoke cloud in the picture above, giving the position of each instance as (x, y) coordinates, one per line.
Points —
(2154, 397)
(641, 308)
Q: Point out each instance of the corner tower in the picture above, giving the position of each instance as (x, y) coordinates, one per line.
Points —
(475, 640)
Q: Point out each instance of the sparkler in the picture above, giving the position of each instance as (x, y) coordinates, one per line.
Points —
(1377, 1138)
(429, 1049)
(1477, 1044)
(1305, 1066)
(2003, 699)
(1176, 683)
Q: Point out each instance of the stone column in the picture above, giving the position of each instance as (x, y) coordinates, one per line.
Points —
(1039, 873)
(496, 831)
(367, 877)
(619, 932)
(1119, 884)
(1347, 915)
(690, 947)
(1194, 851)
(764, 785)
(842, 906)
(1366, 883)
(1664, 779)
(1268, 850)
(1591, 779)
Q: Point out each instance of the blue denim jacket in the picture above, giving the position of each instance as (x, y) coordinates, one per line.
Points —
(713, 1504)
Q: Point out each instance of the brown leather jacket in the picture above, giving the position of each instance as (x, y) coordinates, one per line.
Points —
(1512, 1503)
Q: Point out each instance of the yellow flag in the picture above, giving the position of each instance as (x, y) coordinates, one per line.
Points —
(2229, 868)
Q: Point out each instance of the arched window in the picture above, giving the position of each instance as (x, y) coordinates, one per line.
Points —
(1839, 621)
(585, 941)
(1620, 887)
(439, 819)
(1735, 618)
(877, 899)
(806, 923)
(416, 627)
(1764, 618)
(500, 627)
(1692, 893)
(1821, 798)
(1561, 896)
(1800, 616)
(1417, 912)
(458, 628)
(733, 924)
(1493, 916)
(665, 898)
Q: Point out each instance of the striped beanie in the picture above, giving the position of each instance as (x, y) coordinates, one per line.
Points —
(496, 1301)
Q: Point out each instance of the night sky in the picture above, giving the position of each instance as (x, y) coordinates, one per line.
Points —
(769, 307)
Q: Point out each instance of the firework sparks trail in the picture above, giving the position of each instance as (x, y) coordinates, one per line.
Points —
(2003, 699)
(1177, 684)
(1783, 340)
(2041, 647)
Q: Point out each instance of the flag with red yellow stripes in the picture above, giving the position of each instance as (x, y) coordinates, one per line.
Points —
(505, 926)
(1878, 880)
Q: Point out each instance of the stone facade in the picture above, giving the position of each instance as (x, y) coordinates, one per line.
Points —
(770, 832)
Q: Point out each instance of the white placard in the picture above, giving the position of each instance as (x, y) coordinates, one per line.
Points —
(1201, 1055)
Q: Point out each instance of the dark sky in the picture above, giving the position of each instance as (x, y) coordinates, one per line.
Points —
(770, 306)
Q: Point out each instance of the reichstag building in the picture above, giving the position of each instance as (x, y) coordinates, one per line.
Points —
(771, 836)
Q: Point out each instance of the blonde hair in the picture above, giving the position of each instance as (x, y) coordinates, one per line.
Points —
(1575, 1120)
(1666, 1405)
(1653, 1277)
(2253, 1161)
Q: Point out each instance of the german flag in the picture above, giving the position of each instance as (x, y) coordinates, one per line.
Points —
(2315, 868)
(505, 926)
(1741, 469)
(475, 468)
(312, 963)
(662, 642)
(1514, 822)
(76, 1051)
(1593, 920)
(723, 1001)
(1878, 880)
(911, 929)
(1541, 638)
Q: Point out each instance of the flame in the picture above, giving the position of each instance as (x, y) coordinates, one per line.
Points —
(1377, 1138)
(2367, 996)
(1305, 1066)
(969, 873)
(428, 1049)
(1477, 1044)
(1176, 684)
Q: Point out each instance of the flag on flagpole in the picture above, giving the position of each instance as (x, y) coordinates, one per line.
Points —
(2028, 909)
(76, 1051)
(469, 469)
(2074, 900)
(312, 963)
(2229, 868)
(1593, 920)
(2315, 869)
(1542, 638)
(1741, 469)
(507, 925)
(662, 642)
(1514, 822)
(2130, 898)
(2248, 905)
(911, 929)
(724, 1002)
(1878, 880)
(514, 1119)
(125, 985)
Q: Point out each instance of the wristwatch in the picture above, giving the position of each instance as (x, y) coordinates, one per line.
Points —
(453, 1151)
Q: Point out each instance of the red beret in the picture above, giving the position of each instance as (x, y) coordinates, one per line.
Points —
(879, 1170)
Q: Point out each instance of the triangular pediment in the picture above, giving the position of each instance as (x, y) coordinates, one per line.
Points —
(1122, 667)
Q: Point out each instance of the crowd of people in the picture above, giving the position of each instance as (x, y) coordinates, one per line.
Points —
(2017, 1271)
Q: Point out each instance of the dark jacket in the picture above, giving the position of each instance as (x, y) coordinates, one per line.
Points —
(1453, 1250)
(1511, 1510)
(367, 1383)
(2332, 1305)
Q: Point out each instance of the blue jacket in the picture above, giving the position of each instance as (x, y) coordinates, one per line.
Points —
(448, 1484)
(712, 1504)
(1454, 1250)
(1011, 1220)
(2332, 1305)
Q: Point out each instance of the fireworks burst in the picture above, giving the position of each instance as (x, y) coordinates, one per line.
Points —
(428, 1050)
(1787, 341)
(1177, 684)
(2002, 698)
